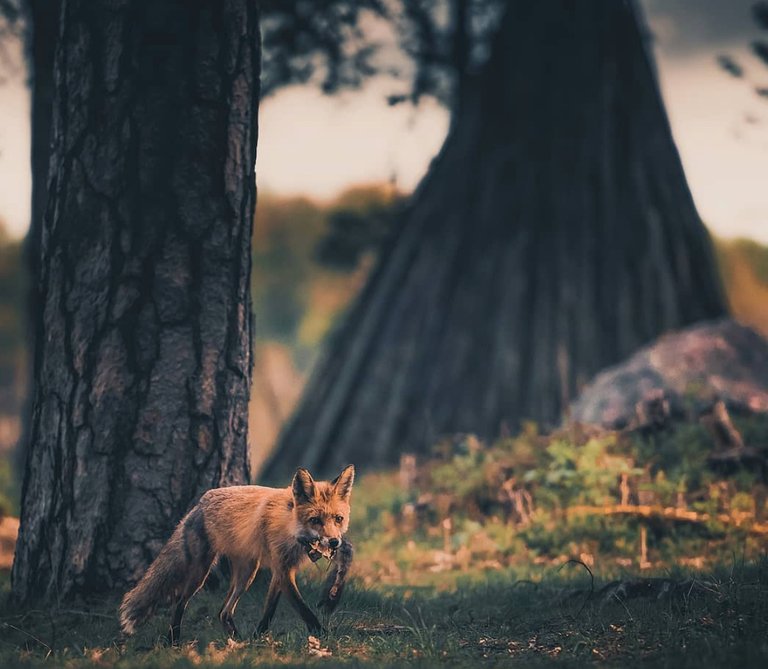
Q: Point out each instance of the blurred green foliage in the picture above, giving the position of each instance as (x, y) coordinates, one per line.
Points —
(13, 364)
(756, 256)
(309, 259)
(10, 489)
(357, 226)
(12, 337)
(284, 236)
(744, 269)
(541, 499)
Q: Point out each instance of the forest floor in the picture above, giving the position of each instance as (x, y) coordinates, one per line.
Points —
(479, 558)
(718, 620)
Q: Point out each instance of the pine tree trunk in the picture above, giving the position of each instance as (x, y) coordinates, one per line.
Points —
(554, 234)
(42, 18)
(142, 357)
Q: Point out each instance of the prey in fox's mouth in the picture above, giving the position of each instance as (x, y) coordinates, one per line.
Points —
(316, 550)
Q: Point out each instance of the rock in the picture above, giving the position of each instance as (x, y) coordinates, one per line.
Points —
(691, 369)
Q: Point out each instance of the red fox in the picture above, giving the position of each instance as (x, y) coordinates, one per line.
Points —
(252, 526)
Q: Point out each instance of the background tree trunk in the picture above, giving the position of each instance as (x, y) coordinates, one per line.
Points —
(143, 359)
(554, 234)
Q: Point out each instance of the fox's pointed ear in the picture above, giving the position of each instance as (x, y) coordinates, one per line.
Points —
(303, 486)
(342, 484)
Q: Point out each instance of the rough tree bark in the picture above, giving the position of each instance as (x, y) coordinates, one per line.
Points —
(42, 17)
(142, 357)
(554, 234)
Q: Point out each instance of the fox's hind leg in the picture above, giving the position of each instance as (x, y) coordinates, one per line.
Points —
(199, 558)
(223, 613)
(197, 575)
(242, 578)
(174, 636)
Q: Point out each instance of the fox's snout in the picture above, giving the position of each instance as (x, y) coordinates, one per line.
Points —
(322, 539)
(331, 542)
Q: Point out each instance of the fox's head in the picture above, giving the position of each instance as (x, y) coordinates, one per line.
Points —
(321, 508)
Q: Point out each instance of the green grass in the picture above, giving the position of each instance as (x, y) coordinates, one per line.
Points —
(553, 618)
(487, 587)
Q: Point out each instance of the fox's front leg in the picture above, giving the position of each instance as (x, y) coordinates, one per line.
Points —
(291, 591)
(270, 606)
(334, 584)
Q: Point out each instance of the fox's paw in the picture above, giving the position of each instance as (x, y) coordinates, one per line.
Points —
(316, 629)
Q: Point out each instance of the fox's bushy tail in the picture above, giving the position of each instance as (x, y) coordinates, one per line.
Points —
(171, 573)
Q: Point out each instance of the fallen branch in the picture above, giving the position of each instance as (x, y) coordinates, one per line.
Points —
(672, 514)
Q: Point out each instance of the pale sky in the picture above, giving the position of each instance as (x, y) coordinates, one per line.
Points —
(317, 145)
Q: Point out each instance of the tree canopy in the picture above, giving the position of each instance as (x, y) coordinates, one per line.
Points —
(431, 46)
(759, 48)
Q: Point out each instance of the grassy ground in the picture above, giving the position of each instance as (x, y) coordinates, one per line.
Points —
(719, 620)
(449, 572)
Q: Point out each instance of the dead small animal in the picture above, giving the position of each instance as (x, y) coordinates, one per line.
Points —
(315, 550)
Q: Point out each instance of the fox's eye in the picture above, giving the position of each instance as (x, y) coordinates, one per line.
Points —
(316, 520)
(339, 519)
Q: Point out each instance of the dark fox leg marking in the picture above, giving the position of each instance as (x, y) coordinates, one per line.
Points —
(270, 605)
(199, 558)
(220, 573)
(242, 578)
(291, 591)
(174, 636)
(223, 618)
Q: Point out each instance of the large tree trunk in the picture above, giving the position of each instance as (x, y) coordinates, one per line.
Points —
(142, 357)
(42, 18)
(554, 234)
